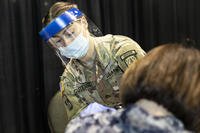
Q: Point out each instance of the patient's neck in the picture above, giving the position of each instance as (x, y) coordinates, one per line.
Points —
(152, 107)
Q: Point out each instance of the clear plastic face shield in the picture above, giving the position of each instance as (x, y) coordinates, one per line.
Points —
(68, 35)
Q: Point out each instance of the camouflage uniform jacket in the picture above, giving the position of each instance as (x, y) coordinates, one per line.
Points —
(81, 85)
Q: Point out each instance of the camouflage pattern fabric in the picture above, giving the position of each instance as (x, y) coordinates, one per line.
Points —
(81, 85)
(133, 119)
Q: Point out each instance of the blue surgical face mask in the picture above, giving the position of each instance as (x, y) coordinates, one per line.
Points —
(77, 49)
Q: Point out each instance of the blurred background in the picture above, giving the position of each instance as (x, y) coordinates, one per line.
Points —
(29, 70)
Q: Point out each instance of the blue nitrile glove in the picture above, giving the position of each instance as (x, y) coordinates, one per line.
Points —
(94, 108)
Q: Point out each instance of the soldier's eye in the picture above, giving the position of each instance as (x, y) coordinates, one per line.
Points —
(68, 35)
(59, 43)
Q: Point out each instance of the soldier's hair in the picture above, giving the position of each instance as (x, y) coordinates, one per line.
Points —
(169, 75)
(57, 9)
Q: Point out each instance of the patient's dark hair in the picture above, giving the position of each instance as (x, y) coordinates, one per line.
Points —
(169, 75)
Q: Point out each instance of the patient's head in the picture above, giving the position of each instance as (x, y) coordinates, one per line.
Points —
(170, 76)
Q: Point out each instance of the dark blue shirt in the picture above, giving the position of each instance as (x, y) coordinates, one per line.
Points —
(133, 119)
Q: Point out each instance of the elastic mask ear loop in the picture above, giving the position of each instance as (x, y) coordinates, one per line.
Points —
(57, 53)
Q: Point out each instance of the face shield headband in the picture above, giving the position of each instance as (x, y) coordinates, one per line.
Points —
(59, 23)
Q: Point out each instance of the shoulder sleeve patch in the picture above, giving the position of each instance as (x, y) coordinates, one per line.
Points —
(126, 51)
(128, 57)
(125, 59)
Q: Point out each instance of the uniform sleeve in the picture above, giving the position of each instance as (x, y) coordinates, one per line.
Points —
(57, 117)
(72, 103)
(126, 51)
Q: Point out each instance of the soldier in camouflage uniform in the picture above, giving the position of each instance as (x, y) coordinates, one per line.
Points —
(81, 85)
(93, 77)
